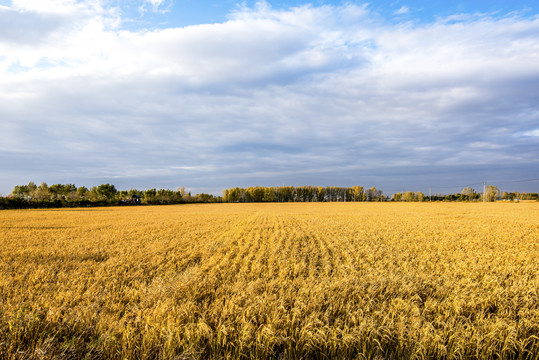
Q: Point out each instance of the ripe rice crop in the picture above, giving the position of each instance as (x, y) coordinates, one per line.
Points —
(293, 280)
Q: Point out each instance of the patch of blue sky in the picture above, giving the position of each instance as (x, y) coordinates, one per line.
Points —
(428, 11)
(16, 67)
(139, 14)
(181, 13)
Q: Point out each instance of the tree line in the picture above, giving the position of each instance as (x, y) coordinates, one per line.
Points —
(69, 195)
(301, 194)
(358, 193)
(492, 193)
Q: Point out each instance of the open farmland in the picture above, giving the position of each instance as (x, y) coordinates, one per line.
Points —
(336, 280)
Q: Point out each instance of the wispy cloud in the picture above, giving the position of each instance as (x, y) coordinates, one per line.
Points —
(403, 10)
(159, 6)
(533, 133)
(307, 95)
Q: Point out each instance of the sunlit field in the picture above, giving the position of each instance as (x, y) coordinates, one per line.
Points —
(282, 281)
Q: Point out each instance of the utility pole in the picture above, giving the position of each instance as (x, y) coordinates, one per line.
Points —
(430, 196)
(484, 191)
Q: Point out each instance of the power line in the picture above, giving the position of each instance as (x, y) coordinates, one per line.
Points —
(481, 183)
(456, 186)
(474, 184)
(515, 181)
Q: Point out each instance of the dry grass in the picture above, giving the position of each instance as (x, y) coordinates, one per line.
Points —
(324, 280)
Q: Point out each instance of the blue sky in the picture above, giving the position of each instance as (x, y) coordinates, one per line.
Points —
(401, 95)
(193, 12)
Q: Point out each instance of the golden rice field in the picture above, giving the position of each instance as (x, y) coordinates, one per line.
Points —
(280, 281)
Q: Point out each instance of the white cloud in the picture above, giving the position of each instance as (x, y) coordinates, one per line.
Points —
(403, 10)
(533, 133)
(159, 6)
(50, 6)
(299, 91)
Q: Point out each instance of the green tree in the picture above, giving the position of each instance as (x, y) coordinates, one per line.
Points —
(150, 194)
(321, 194)
(408, 196)
(374, 194)
(358, 193)
(234, 195)
(492, 193)
(32, 186)
(269, 194)
(82, 191)
(469, 193)
(106, 191)
(23, 191)
(42, 192)
(62, 189)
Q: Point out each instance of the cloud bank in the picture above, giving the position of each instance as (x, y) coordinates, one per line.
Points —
(329, 95)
